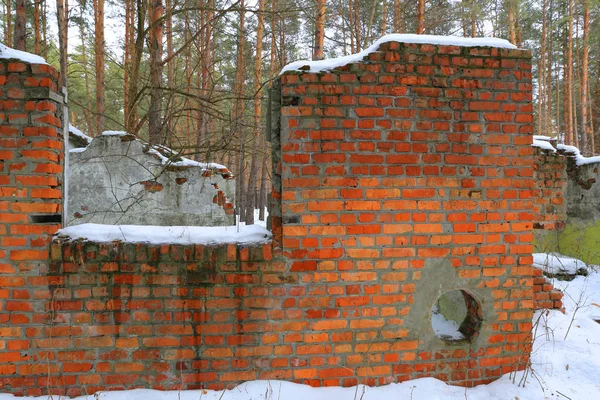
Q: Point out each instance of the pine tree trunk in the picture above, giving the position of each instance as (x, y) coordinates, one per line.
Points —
(129, 34)
(131, 124)
(510, 11)
(99, 49)
(8, 23)
(463, 18)
(473, 19)
(155, 129)
(20, 25)
(421, 17)
(63, 34)
(251, 191)
(44, 29)
(203, 137)
(170, 64)
(570, 74)
(319, 30)
(84, 60)
(585, 133)
(384, 18)
(397, 16)
(238, 113)
(357, 26)
(36, 29)
(351, 26)
(542, 69)
(549, 126)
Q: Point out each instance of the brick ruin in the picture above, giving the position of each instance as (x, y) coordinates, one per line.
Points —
(397, 180)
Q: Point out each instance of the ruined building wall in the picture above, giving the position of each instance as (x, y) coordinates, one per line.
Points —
(120, 180)
(397, 179)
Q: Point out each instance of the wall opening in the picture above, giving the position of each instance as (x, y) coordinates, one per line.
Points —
(456, 316)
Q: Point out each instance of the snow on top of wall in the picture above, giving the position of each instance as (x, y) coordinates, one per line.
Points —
(326, 65)
(8, 53)
(173, 158)
(556, 263)
(168, 156)
(542, 143)
(167, 234)
(80, 134)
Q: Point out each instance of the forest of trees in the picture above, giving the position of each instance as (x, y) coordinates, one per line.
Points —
(193, 74)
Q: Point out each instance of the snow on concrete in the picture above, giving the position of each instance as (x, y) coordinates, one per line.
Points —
(75, 131)
(444, 328)
(171, 157)
(167, 234)
(556, 263)
(329, 64)
(565, 365)
(8, 53)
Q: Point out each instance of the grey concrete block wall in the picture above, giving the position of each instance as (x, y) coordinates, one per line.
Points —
(116, 180)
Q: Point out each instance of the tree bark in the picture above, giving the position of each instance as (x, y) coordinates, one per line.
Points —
(319, 30)
(84, 60)
(131, 124)
(238, 113)
(351, 26)
(36, 29)
(570, 74)
(384, 18)
(585, 133)
(129, 43)
(63, 34)
(20, 25)
(203, 138)
(251, 192)
(44, 29)
(170, 63)
(8, 23)
(99, 49)
(155, 129)
(542, 68)
(421, 17)
(397, 16)
(510, 11)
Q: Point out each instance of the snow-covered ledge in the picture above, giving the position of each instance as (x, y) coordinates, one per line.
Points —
(12, 54)
(329, 64)
(251, 234)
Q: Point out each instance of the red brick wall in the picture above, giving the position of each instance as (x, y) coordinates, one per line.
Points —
(396, 179)
(421, 153)
(550, 177)
(30, 178)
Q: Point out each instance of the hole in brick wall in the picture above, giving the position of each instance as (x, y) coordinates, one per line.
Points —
(45, 218)
(456, 316)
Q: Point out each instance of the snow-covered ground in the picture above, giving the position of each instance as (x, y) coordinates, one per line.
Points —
(565, 365)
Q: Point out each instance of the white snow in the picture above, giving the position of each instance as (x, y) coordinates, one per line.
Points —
(167, 234)
(8, 53)
(565, 365)
(78, 150)
(556, 263)
(325, 65)
(444, 328)
(542, 142)
(182, 162)
(75, 131)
